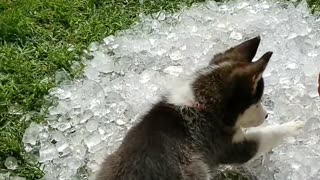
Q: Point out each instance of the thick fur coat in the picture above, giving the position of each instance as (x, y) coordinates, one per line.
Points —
(199, 125)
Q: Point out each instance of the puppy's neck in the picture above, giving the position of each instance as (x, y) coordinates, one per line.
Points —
(181, 93)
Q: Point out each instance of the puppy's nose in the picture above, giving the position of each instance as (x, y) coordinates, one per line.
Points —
(266, 116)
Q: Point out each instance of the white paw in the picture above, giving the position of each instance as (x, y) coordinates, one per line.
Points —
(293, 128)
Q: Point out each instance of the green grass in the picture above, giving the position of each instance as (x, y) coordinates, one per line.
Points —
(35, 37)
(314, 5)
(34, 42)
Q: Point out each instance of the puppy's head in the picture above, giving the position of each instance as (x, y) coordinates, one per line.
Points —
(233, 85)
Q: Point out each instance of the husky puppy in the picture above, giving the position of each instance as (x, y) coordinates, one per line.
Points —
(199, 125)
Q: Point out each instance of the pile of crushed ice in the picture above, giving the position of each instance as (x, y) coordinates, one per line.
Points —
(131, 70)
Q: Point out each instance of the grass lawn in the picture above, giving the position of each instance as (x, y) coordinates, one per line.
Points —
(35, 41)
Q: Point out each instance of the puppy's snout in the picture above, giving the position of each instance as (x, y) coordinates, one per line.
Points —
(266, 116)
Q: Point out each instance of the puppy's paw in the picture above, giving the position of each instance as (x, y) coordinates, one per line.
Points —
(293, 128)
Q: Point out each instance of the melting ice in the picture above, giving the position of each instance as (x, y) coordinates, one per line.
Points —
(131, 70)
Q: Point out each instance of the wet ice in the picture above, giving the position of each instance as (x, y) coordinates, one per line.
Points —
(130, 71)
(11, 163)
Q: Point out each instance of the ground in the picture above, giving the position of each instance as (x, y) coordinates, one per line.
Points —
(39, 37)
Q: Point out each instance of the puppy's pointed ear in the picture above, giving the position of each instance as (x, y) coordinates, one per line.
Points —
(248, 49)
(256, 69)
(243, 52)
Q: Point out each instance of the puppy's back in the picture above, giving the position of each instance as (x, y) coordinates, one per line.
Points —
(151, 150)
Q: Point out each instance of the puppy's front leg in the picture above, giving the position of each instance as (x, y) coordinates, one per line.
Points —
(259, 141)
(269, 137)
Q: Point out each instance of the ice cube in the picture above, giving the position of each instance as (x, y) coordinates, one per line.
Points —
(93, 166)
(63, 148)
(62, 126)
(236, 35)
(108, 39)
(176, 55)
(92, 140)
(120, 122)
(61, 92)
(57, 136)
(31, 134)
(147, 75)
(48, 153)
(66, 173)
(174, 70)
(114, 97)
(62, 77)
(312, 124)
(92, 125)
(74, 163)
(93, 46)
(11, 163)
(87, 114)
(91, 73)
(79, 151)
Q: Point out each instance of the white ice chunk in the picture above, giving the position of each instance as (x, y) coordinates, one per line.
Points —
(11, 163)
(31, 134)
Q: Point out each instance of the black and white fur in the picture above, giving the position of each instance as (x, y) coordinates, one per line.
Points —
(175, 140)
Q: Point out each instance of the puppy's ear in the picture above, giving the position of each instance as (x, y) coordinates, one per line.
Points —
(244, 52)
(247, 50)
(256, 69)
